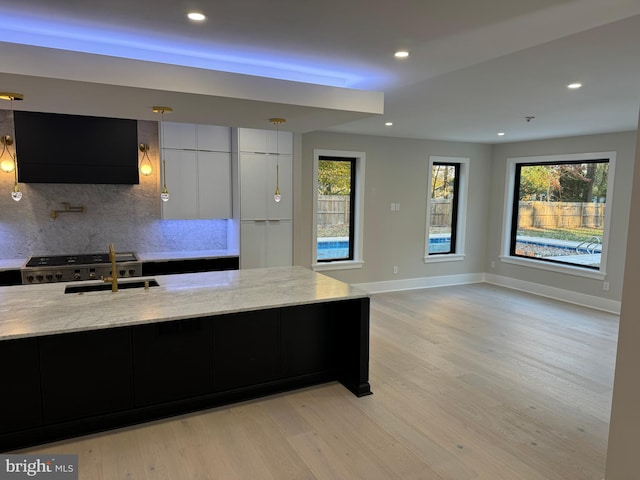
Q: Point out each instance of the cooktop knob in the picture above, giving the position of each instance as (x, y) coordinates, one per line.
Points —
(49, 277)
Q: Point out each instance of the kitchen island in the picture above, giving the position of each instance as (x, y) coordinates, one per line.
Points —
(84, 362)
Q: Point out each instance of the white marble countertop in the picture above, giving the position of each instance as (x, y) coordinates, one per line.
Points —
(12, 263)
(35, 310)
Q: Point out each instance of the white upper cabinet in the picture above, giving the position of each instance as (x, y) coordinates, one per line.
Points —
(213, 138)
(181, 172)
(178, 136)
(198, 171)
(188, 136)
(265, 141)
(214, 185)
(258, 177)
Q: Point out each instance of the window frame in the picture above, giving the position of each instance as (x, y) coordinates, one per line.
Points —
(352, 201)
(459, 215)
(509, 212)
(357, 211)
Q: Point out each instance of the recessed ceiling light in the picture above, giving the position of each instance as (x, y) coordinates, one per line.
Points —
(401, 54)
(574, 86)
(196, 16)
(501, 134)
(388, 124)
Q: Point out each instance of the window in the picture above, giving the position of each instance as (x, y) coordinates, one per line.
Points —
(559, 214)
(446, 208)
(338, 200)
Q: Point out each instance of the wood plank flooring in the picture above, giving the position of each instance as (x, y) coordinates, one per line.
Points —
(470, 382)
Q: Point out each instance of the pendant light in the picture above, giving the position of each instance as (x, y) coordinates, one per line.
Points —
(164, 195)
(277, 122)
(16, 194)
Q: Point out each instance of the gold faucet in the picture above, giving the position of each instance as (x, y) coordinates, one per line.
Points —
(114, 273)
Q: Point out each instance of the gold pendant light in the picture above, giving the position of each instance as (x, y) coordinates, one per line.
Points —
(277, 122)
(164, 195)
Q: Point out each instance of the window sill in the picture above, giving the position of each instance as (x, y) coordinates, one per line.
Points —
(339, 265)
(452, 257)
(567, 269)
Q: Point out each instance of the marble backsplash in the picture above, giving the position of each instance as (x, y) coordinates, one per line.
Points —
(127, 215)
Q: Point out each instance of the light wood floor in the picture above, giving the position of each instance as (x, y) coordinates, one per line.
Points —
(470, 382)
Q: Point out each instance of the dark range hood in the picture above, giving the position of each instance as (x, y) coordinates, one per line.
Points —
(59, 148)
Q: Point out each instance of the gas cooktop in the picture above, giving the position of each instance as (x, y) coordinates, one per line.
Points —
(66, 268)
(85, 259)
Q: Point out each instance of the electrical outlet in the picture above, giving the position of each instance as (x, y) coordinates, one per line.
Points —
(395, 269)
(493, 264)
(605, 286)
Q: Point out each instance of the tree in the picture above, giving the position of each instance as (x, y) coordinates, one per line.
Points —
(442, 180)
(539, 182)
(334, 177)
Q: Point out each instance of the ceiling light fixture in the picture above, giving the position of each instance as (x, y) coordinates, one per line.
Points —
(401, 54)
(7, 140)
(277, 122)
(501, 134)
(196, 16)
(164, 195)
(389, 124)
(574, 86)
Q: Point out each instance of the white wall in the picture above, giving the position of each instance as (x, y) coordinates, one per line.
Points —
(622, 452)
(396, 171)
(624, 144)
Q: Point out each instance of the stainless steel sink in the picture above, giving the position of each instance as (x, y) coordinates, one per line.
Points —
(122, 285)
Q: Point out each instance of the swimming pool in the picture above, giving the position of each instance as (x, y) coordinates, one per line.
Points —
(337, 247)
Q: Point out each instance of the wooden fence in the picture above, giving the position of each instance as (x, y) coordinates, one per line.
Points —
(561, 215)
(537, 214)
(440, 212)
(333, 209)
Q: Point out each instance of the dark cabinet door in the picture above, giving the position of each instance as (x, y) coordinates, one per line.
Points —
(20, 401)
(246, 349)
(85, 374)
(172, 361)
(307, 333)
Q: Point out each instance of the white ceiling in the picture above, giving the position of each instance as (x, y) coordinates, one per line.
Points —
(475, 68)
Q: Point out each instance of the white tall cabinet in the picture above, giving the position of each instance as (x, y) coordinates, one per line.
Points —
(266, 226)
(198, 171)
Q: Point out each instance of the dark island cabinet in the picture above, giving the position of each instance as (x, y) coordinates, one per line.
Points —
(85, 374)
(69, 384)
(307, 339)
(20, 405)
(246, 349)
(171, 360)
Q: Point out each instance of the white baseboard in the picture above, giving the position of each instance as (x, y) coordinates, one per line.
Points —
(591, 301)
(585, 300)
